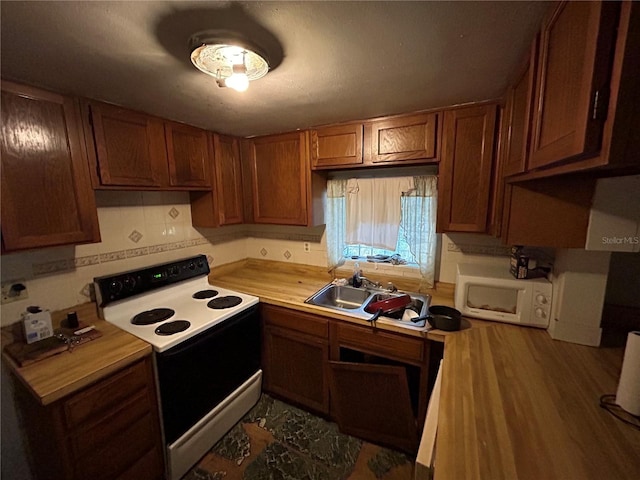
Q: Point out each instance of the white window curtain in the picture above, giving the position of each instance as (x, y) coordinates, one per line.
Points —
(419, 208)
(336, 215)
(418, 219)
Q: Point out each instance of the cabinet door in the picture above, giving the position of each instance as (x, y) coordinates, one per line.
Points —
(406, 138)
(372, 402)
(572, 82)
(336, 146)
(188, 153)
(518, 116)
(47, 197)
(465, 169)
(294, 367)
(280, 179)
(228, 179)
(130, 147)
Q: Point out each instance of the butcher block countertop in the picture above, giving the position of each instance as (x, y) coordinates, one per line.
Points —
(55, 377)
(290, 284)
(516, 404)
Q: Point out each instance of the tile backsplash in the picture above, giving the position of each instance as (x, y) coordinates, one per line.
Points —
(144, 228)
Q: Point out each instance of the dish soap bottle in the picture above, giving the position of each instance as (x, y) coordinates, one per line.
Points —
(355, 281)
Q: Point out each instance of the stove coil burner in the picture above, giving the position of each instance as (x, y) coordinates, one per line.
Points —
(150, 317)
(170, 328)
(224, 302)
(204, 294)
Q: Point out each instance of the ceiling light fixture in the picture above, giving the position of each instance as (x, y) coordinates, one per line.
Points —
(231, 61)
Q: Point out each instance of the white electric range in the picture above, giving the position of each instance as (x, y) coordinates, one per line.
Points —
(206, 342)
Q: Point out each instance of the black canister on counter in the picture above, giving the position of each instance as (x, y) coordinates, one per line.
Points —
(71, 320)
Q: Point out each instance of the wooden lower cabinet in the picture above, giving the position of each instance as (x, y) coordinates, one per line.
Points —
(356, 375)
(295, 356)
(109, 430)
(373, 373)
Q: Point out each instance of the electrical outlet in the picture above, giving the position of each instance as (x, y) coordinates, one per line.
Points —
(14, 291)
(307, 247)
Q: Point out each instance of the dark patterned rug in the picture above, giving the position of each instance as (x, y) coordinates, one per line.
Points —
(276, 441)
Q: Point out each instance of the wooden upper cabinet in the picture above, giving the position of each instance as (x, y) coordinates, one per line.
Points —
(46, 192)
(404, 138)
(223, 205)
(281, 179)
(465, 169)
(130, 147)
(336, 146)
(518, 116)
(188, 152)
(576, 45)
(228, 179)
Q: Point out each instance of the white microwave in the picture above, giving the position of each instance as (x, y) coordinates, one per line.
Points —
(492, 293)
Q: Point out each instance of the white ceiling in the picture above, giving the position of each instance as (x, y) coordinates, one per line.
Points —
(340, 60)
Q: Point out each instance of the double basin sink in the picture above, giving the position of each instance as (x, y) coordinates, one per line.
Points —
(354, 302)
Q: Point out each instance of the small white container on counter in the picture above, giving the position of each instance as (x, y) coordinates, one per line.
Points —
(37, 326)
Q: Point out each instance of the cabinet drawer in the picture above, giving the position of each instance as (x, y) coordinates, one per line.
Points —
(380, 343)
(293, 320)
(148, 467)
(122, 451)
(110, 426)
(106, 395)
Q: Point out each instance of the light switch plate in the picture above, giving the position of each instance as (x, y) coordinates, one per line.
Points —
(11, 291)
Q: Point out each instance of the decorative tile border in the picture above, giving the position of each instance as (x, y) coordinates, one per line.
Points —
(52, 267)
(478, 249)
(137, 252)
(112, 256)
(296, 237)
(216, 238)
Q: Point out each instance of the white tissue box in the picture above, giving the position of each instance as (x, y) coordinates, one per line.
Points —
(37, 326)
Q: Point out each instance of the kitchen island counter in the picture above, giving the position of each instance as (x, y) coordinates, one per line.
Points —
(516, 404)
(60, 375)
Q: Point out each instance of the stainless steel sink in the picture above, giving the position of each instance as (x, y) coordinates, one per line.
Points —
(339, 297)
(354, 301)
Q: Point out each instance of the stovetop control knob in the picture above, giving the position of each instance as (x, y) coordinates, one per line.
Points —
(115, 287)
(192, 266)
(200, 264)
(130, 283)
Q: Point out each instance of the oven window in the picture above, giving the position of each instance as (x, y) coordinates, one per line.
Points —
(198, 374)
(494, 299)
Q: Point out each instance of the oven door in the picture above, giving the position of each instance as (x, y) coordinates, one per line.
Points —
(198, 374)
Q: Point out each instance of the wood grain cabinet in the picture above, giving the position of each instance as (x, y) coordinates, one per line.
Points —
(189, 155)
(129, 147)
(517, 116)
(574, 67)
(284, 189)
(47, 197)
(109, 430)
(223, 205)
(133, 150)
(295, 356)
(466, 169)
(336, 146)
(404, 138)
(378, 384)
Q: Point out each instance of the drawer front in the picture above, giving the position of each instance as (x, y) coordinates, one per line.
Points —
(381, 343)
(107, 394)
(150, 466)
(121, 453)
(86, 441)
(294, 320)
